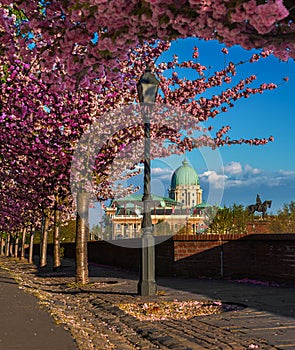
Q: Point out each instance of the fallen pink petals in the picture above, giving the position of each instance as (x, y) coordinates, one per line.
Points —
(165, 310)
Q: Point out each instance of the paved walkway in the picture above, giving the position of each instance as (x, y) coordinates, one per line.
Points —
(23, 325)
(267, 322)
(270, 312)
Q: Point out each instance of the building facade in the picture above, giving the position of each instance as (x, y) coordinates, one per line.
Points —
(182, 212)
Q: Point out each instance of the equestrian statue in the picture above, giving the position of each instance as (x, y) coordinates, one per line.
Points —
(259, 206)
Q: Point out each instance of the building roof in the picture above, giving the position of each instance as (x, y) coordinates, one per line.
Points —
(133, 198)
(184, 175)
(203, 205)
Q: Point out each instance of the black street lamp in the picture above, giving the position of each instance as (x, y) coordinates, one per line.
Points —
(147, 88)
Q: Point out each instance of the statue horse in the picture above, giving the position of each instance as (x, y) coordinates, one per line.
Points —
(262, 208)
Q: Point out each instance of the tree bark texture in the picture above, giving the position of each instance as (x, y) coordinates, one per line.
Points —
(22, 250)
(82, 231)
(16, 245)
(43, 248)
(7, 247)
(31, 246)
(2, 245)
(56, 240)
(11, 244)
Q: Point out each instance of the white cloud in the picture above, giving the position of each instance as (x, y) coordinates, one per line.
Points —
(238, 176)
(242, 186)
(287, 172)
(250, 170)
(236, 168)
(214, 179)
(242, 176)
(239, 181)
(233, 168)
(162, 173)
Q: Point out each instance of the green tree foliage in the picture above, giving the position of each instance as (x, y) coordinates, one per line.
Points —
(67, 233)
(284, 221)
(229, 220)
(96, 232)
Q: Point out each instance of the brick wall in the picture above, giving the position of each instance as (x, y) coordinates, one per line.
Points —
(259, 256)
(203, 255)
(258, 226)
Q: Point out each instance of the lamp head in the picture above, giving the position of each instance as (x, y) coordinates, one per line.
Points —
(147, 87)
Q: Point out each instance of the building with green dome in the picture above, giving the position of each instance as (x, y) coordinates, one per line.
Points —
(183, 212)
(185, 186)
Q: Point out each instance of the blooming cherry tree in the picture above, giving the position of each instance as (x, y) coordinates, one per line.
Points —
(42, 127)
(80, 41)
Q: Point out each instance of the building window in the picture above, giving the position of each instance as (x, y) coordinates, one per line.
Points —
(193, 201)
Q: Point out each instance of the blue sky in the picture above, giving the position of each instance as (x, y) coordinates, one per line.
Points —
(236, 174)
(245, 170)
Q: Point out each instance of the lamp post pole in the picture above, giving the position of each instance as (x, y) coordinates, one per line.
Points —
(147, 91)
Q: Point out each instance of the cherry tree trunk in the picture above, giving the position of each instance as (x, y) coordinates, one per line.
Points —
(31, 246)
(7, 246)
(16, 245)
(82, 231)
(11, 243)
(2, 245)
(56, 240)
(22, 250)
(43, 247)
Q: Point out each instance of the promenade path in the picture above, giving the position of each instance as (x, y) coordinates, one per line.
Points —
(23, 325)
(92, 316)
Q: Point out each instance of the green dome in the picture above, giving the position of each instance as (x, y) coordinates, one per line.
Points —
(184, 175)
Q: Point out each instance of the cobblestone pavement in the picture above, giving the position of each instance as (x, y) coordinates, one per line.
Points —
(95, 321)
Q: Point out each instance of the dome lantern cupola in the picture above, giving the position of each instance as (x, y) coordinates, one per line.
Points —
(185, 186)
